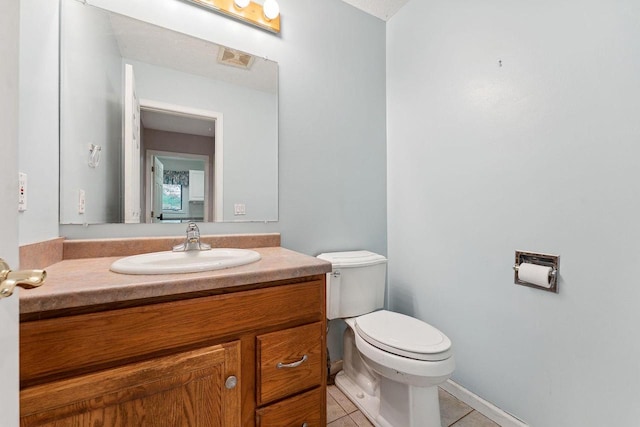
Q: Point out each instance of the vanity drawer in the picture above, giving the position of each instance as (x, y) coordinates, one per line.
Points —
(289, 361)
(305, 409)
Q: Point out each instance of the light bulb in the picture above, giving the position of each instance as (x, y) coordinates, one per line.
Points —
(271, 9)
(241, 4)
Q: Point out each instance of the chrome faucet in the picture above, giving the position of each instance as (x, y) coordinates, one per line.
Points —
(192, 242)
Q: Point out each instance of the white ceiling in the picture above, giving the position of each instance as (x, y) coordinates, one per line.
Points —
(159, 120)
(155, 45)
(159, 46)
(383, 9)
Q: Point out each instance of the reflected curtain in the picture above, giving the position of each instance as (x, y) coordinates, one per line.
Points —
(176, 177)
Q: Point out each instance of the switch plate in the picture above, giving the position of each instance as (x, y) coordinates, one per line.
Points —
(81, 201)
(239, 209)
(22, 192)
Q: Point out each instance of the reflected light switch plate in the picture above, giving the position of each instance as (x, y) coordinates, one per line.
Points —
(239, 209)
(81, 201)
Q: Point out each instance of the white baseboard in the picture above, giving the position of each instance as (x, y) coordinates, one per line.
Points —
(487, 409)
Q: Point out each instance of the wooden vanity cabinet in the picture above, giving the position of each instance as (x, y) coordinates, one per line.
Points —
(256, 356)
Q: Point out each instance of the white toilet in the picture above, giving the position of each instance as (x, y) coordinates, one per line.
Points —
(392, 363)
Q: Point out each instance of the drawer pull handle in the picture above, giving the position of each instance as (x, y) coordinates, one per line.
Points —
(305, 425)
(281, 365)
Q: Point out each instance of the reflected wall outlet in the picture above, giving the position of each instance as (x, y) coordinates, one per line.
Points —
(239, 209)
(22, 192)
(81, 201)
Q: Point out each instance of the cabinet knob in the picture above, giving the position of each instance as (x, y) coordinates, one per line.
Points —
(305, 425)
(231, 382)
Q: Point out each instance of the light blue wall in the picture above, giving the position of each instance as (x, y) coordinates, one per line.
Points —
(538, 154)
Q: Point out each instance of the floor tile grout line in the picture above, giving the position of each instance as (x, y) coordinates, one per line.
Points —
(353, 407)
(470, 411)
(344, 416)
(329, 396)
(463, 417)
(345, 410)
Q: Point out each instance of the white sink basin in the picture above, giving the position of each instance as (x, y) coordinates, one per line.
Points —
(170, 262)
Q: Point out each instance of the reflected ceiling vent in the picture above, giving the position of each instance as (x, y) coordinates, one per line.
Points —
(234, 58)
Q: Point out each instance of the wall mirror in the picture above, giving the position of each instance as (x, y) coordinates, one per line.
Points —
(160, 126)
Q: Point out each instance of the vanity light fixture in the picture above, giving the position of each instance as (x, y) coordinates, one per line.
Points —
(271, 9)
(265, 16)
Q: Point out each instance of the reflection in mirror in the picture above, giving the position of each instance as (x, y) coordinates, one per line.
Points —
(177, 193)
(186, 129)
(185, 172)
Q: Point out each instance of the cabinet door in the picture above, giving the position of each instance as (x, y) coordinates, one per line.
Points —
(196, 186)
(185, 389)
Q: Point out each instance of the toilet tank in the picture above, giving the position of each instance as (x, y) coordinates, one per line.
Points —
(356, 283)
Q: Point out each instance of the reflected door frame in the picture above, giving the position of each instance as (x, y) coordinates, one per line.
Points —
(148, 180)
(180, 110)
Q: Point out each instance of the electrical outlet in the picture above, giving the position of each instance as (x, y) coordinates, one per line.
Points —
(22, 192)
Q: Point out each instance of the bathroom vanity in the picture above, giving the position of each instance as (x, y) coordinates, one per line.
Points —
(241, 346)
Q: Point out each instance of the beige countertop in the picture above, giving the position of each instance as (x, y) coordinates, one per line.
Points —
(77, 283)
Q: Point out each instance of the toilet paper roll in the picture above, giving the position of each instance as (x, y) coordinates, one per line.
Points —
(535, 274)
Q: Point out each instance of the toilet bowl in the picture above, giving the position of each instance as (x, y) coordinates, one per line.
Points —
(392, 363)
(402, 347)
(390, 389)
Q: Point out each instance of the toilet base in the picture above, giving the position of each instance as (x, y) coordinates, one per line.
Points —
(406, 406)
(367, 404)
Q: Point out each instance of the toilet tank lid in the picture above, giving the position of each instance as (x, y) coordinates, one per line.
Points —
(352, 258)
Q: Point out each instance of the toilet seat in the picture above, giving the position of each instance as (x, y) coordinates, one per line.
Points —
(403, 335)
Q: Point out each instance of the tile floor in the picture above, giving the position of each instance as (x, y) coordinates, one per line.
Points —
(342, 413)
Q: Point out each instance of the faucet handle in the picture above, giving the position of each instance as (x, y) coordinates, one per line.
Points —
(192, 242)
(193, 233)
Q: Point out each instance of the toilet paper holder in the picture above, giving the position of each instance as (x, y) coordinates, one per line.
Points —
(542, 259)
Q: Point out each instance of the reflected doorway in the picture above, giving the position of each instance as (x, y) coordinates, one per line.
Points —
(182, 163)
(178, 187)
